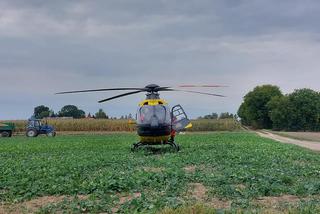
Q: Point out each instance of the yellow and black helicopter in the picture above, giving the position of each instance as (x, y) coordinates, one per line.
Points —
(157, 123)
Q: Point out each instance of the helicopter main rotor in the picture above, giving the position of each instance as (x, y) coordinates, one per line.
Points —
(151, 89)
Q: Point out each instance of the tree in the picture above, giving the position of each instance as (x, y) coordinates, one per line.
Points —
(299, 110)
(226, 115)
(306, 110)
(254, 110)
(279, 112)
(52, 114)
(210, 116)
(71, 111)
(243, 114)
(41, 112)
(101, 114)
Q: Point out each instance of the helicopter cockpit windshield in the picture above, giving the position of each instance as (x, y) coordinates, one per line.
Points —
(154, 115)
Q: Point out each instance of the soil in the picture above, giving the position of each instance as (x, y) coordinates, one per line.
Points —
(35, 204)
(198, 191)
(190, 168)
(124, 199)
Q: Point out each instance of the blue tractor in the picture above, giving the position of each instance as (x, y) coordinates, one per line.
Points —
(35, 127)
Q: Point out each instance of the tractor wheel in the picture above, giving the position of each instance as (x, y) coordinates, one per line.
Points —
(32, 133)
(51, 134)
(5, 134)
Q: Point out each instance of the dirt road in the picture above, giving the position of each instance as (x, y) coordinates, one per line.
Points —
(307, 144)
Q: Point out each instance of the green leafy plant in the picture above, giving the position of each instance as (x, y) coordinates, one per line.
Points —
(100, 174)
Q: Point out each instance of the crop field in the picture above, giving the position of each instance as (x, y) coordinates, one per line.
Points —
(214, 172)
(108, 125)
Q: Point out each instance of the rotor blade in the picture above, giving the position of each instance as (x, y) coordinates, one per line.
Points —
(121, 95)
(163, 88)
(102, 89)
(195, 92)
(201, 86)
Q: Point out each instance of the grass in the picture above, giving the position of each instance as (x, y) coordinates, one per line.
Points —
(104, 125)
(100, 174)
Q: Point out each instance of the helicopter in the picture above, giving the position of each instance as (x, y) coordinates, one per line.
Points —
(157, 123)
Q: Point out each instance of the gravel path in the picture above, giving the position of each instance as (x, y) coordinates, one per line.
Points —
(315, 146)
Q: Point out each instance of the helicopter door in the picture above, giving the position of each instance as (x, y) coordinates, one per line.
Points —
(179, 118)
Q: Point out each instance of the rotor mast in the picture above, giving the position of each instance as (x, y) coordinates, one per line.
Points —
(152, 92)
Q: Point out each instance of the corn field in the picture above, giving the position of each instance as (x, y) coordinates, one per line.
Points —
(108, 125)
(215, 125)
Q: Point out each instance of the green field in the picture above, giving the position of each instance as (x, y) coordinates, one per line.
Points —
(220, 171)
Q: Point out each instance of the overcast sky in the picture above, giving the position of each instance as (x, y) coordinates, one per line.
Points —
(52, 46)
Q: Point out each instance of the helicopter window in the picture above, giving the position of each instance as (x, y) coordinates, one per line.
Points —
(146, 113)
(160, 112)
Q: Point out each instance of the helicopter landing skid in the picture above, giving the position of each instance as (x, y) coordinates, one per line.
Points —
(174, 145)
(135, 146)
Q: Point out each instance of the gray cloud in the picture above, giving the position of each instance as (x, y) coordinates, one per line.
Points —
(48, 46)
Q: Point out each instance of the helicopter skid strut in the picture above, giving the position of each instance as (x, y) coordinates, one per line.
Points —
(170, 142)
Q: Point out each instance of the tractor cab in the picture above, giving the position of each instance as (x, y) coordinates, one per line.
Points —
(35, 127)
(34, 123)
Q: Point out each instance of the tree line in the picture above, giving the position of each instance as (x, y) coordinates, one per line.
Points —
(223, 115)
(71, 111)
(267, 108)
